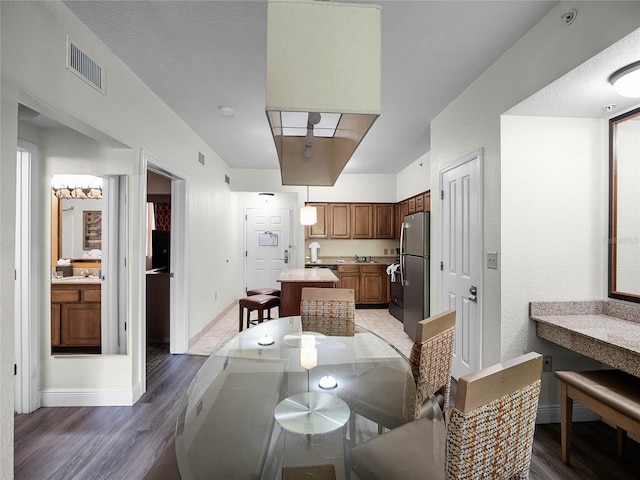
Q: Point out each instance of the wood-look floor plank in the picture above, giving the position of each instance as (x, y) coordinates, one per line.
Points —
(109, 443)
(123, 443)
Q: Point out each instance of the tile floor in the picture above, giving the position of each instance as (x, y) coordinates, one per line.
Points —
(377, 320)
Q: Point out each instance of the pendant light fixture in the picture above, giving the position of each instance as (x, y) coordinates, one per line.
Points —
(323, 84)
(626, 81)
(308, 214)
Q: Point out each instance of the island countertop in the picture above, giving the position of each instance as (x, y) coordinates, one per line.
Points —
(307, 275)
(294, 280)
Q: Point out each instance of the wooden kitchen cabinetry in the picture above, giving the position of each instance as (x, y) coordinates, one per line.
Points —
(369, 282)
(321, 228)
(361, 220)
(340, 220)
(384, 222)
(76, 325)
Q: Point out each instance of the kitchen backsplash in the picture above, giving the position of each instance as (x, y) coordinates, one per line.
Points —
(349, 248)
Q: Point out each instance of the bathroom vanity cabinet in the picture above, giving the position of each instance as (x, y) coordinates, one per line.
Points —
(76, 318)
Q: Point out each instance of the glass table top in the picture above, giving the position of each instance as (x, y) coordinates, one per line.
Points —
(253, 411)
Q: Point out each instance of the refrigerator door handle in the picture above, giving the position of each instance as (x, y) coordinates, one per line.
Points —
(402, 282)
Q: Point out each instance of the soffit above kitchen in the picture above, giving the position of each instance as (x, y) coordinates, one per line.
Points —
(201, 56)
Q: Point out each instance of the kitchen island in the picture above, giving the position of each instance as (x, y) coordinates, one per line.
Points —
(294, 280)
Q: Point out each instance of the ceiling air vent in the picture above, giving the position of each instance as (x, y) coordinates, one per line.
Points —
(84, 67)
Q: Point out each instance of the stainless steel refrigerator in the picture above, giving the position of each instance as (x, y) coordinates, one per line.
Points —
(414, 270)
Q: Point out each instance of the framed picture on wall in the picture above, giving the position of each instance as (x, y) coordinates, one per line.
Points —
(92, 230)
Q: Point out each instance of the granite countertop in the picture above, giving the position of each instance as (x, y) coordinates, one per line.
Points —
(605, 331)
(385, 260)
(307, 275)
(78, 279)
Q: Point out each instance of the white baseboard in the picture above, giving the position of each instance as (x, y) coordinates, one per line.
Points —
(86, 397)
(551, 414)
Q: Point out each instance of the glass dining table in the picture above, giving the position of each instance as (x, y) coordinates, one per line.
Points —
(278, 401)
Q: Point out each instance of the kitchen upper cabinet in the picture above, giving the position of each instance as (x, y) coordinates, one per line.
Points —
(340, 220)
(321, 227)
(361, 220)
(427, 201)
(419, 202)
(412, 205)
(384, 224)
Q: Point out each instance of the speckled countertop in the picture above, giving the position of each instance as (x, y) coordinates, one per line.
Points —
(605, 331)
(386, 260)
(307, 275)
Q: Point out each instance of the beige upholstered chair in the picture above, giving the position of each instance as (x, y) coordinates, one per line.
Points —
(489, 435)
(330, 311)
(431, 358)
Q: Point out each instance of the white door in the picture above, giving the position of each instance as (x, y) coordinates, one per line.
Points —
(268, 246)
(461, 193)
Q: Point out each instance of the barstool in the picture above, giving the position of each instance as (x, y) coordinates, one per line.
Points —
(263, 291)
(259, 303)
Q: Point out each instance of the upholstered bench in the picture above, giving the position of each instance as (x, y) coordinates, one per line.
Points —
(612, 394)
(259, 303)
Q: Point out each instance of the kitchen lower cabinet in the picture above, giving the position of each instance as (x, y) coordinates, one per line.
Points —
(76, 318)
(369, 282)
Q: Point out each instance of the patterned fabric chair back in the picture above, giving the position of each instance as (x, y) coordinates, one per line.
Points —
(490, 432)
(330, 311)
(431, 359)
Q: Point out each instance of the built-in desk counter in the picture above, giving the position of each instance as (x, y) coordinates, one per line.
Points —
(605, 331)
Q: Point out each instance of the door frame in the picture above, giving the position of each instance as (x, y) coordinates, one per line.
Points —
(28, 261)
(475, 155)
(179, 283)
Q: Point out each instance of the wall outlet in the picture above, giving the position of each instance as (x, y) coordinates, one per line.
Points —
(492, 260)
(547, 365)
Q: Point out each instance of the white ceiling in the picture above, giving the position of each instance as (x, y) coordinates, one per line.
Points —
(201, 55)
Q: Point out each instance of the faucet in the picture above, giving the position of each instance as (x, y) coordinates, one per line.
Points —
(355, 258)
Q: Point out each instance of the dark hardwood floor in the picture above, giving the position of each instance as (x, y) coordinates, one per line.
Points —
(122, 443)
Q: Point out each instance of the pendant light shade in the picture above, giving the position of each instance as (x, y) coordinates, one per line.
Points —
(323, 85)
(308, 214)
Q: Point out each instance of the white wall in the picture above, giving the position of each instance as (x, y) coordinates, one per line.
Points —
(554, 227)
(414, 178)
(33, 37)
(472, 121)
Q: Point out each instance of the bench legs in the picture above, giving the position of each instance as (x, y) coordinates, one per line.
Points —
(566, 419)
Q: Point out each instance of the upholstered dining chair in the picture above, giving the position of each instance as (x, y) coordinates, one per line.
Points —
(431, 359)
(330, 311)
(489, 432)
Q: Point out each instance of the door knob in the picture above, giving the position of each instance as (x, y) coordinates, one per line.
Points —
(472, 294)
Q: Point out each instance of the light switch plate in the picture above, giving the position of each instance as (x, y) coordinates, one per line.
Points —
(492, 260)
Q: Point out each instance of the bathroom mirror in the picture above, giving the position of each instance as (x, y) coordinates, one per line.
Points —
(80, 229)
(624, 206)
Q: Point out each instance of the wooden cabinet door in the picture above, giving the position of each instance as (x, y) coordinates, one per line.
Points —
(427, 201)
(361, 220)
(420, 203)
(373, 288)
(339, 220)
(80, 324)
(55, 324)
(412, 205)
(384, 220)
(320, 229)
(349, 277)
